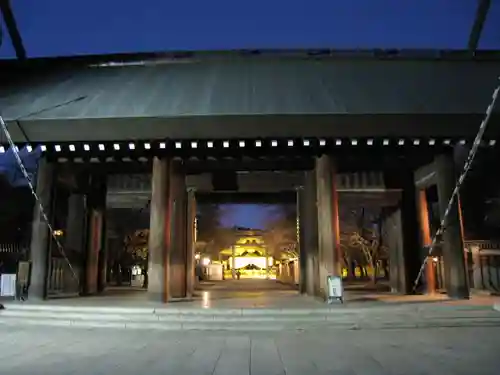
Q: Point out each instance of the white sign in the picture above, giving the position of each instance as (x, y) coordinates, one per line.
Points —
(335, 290)
(8, 285)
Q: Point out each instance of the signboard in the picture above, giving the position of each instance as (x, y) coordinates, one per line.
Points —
(335, 290)
(8, 285)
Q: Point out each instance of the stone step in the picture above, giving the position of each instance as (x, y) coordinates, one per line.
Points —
(242, 319)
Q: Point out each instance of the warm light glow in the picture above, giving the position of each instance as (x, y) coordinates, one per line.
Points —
(58, 232)
(205, 261)
(197, 256)
(241, 262)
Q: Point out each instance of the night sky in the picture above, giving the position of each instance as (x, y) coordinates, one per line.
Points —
(62, 27)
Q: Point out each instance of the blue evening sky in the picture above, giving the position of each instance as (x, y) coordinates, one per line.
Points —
(62, 27)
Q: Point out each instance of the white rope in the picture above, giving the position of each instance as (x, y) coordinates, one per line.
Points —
(20, 163)
(458, 185)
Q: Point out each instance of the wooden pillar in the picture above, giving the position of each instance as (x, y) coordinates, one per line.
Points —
(328, 224)
(40, 236)
(159, 231)
(191, 242)
(96, 205)
(425, 230)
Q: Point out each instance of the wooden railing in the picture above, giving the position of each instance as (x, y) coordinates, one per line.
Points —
(483, 261)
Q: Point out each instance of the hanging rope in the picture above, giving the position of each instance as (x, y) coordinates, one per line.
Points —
(458, 185)
(21, 166)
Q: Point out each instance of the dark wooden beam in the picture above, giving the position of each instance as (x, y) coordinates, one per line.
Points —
(11, 24)
(482, 10)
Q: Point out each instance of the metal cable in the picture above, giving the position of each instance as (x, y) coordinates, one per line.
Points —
(458, 185)
(20, 163)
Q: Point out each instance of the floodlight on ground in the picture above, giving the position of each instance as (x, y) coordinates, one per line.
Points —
(131, 146)
(210, 144)
(493, 142)
(178, 144)
(385, 142)
(307, 142)
(86, 147)
(147, 146)
(101, 147)
(369, 142)
(354, 142)
(290, 143)
(432, 142)
(338, 142)
(322, 142)
(43, 148)
(29, 148)
(57, 148)
(194, 144)
(416, 142)
(225, 144)
(446, 141)
(241, 143)
(274, 143)
(163, 145)
(258, 143)
(116, 146)
(71, 148)
(401, 142)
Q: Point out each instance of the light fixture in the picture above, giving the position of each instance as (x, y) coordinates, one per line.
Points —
(369, 142)
(446, 141)
(225, 144)
(401, 142)
(241, 143)
(462, 142)
(210, 144)
(147, 146)
(101, 147)
(71, 148)
(322, 142)
(2, 150)
(385, 142)
(416, 142)
(274, 143)
(131, 146)
(338, 142)
(258, 143)
(194, 144)
(493, 142)
(57, 148)
(290, 143)
(178, 144)
(307, 142)
(432, 142)
(163, 145)
(354, 142)
(116, 146)
(29, 148)
(43, 148)
(86, 147)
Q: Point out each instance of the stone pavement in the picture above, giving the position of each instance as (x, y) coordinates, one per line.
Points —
(37, 351)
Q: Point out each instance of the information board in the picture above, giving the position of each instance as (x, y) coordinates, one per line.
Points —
(335, 290)
(8, 285)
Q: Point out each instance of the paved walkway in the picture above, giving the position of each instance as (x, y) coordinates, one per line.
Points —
(259, 293)
(40, 351)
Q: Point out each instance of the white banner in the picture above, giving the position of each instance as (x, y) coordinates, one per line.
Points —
(8, 285)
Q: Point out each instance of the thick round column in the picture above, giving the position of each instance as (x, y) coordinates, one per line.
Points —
(330, 260)
(453, 247)
(40, 236)
(159, 231)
